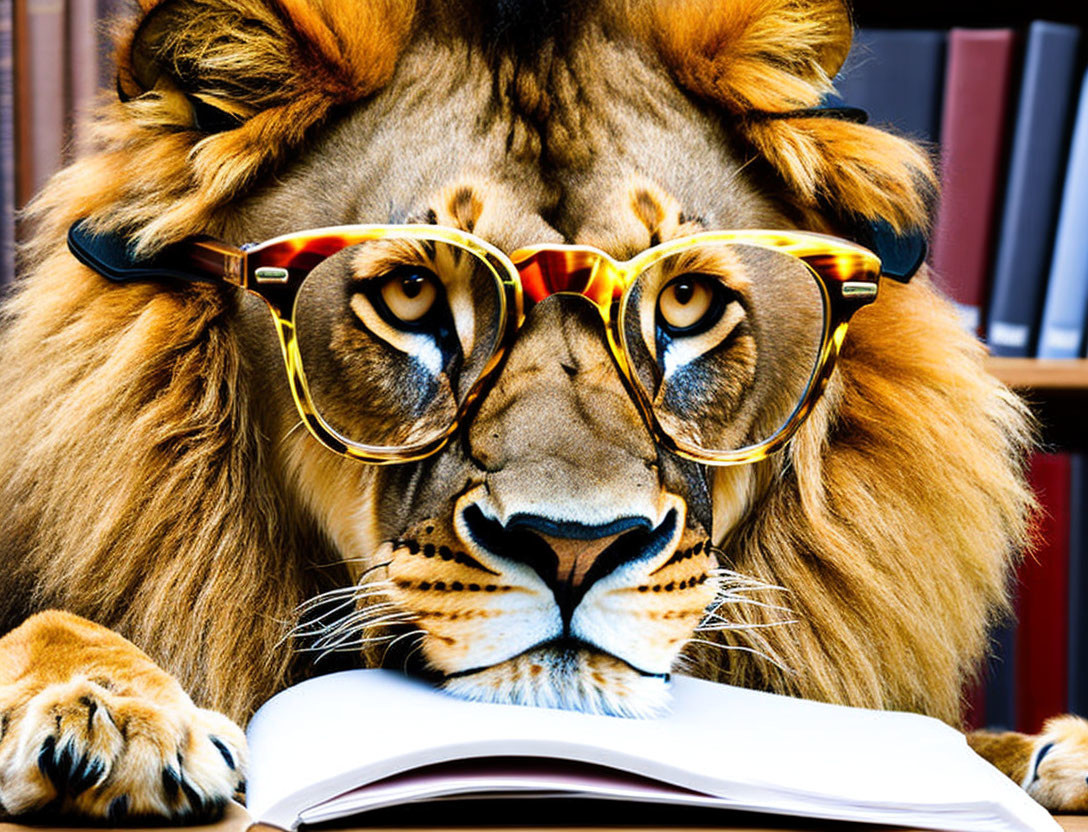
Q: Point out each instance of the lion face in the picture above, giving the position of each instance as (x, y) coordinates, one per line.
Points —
(552, 552)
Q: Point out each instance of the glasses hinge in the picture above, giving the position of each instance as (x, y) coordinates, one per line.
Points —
(271, 274)
(855, 289)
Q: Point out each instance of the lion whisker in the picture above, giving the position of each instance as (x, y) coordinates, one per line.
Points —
(320, 624)
(295, 427)
(357, 620)
(353, 593)
(736, 580)
(718, 628)
(412, 652)
(415, 632)
(777, 663)
(748, 602)
(355, 640)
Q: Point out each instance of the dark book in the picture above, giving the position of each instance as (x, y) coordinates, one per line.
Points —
(1042, 636)
(1062, 332)
(897, 76)
(21, 114)
(1033, 190)
(108, 12)
(974, 115)
(999, 690)
(7, 142)
(1078, 586)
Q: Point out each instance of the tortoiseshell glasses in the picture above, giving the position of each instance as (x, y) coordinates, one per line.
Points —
(724, 339)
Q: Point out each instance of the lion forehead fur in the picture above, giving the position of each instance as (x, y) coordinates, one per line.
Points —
(156, 482)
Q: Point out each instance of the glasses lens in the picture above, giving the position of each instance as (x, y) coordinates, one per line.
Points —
(724, 340)
(393, 334)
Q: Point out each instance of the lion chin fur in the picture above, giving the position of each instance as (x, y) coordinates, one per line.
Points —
(136, 479)
(580, 680)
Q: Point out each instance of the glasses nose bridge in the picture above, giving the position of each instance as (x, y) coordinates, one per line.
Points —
(570, 270)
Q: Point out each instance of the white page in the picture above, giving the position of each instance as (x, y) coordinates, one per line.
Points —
(550, 780)
(330, 735)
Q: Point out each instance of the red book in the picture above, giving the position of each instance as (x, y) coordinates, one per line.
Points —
(974, 129)
(1042, 636)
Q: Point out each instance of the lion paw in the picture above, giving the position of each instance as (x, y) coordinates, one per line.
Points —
(1057, 775)
(82, 748)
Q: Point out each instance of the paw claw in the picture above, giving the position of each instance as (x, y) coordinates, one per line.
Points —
(79, 748)
(196, 800)
(47, 763)
(118, 809)
(228, 758)
(88, 773)
(171, 783)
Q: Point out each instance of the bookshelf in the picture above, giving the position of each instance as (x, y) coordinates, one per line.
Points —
(1057, 392)
(943, 14)
(1041, 375)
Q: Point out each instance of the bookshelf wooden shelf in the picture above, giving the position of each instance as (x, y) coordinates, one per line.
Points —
(1036, 374)
(1056, 391)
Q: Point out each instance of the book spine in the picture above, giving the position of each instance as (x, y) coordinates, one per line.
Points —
(1078, 587)
(107, 12)
(976, 103)
(897, 76)
(47, 100)
(1062, 332)
(999, 692)
(82, 68)
(1033, 189)
(1043, 632)
(7, 142)
(21, 116)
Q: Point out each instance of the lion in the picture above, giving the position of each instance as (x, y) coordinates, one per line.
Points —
(180, 545)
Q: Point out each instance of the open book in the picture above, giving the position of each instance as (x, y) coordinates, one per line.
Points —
(360, 740)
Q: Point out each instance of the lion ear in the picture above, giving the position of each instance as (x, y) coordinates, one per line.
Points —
(767, 62)
(241, 57)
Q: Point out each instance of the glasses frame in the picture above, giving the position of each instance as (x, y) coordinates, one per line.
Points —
(846, 273)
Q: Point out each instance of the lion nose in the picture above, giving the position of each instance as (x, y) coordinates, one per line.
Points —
(570, 557)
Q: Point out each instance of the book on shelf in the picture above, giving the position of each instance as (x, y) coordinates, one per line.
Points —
(896, 76)
(42, 106)
(82, 66)
(1033, 188)
(1042, 606)
(341, 745)
(978, 78)
(1077, 597)
(7, 142)
(1065, 310)
(999, 689)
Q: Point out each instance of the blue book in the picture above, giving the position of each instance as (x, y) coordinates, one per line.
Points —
(1078, 587)
(897, 76)
(1062, 332)
(1033, 187)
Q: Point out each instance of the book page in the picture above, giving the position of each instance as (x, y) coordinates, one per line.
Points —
(331, 735)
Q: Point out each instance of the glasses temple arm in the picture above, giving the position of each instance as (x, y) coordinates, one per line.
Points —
(110, 254)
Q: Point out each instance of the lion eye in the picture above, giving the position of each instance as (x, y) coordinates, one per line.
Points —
(690, 302)
(409, 293)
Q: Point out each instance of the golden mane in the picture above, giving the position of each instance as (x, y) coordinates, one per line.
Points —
(895, 526)
(136, 491)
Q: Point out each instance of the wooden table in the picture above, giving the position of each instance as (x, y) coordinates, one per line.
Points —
(236, 820)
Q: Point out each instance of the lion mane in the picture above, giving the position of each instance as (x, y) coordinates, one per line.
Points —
(136, 490)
